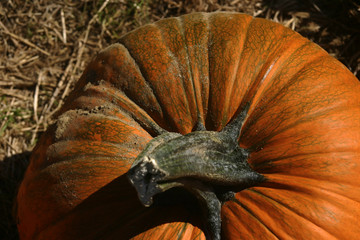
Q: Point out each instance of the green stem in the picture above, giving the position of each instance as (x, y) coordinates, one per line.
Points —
(209, 164)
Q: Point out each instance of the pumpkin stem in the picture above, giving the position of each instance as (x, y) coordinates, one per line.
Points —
(211, 209)
(234, 127)
(211, 165)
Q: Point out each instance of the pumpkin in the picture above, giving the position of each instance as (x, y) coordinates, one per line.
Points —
(210, 125)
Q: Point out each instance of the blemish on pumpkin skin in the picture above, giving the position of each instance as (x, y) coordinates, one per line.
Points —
(61, 124)
(98, 124)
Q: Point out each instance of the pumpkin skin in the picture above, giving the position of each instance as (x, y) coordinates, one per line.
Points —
(302, 129)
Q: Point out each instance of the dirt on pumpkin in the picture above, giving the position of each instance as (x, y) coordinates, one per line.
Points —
(45, 46)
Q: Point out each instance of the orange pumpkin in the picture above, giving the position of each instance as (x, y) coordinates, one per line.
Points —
(182, 83)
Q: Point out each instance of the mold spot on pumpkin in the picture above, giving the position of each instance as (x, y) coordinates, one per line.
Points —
(61, 124)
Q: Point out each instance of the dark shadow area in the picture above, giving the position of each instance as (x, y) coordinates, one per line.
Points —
(114, 212)
(334, 25)
(12, 170)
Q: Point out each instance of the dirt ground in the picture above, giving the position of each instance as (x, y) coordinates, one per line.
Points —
(46, 44)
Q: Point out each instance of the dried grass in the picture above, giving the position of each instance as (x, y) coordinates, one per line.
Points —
(45, 46)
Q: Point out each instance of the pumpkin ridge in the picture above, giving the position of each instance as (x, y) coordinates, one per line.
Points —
(189, 66)
(207, 17)
(145, 64)
(54, 152)
(209, 43)
(94, 119)
(292, 211)
(237, 66)
(127, 105)
(178, 66)
(272, 59)
(270, 65)
(261, 166)
(276, 181)
(209, 46)
(198, 100)
(293, 79)
(246, 232)
(182, 231)
(103, 158)
(250, 202)
(190, 27)
(295, 52)
(280, 92)
(282, 112)
(306, 119)
(225, 48)
(168, 227)
(251, 213)
(145, 79)
(323, 227)
(328, 192)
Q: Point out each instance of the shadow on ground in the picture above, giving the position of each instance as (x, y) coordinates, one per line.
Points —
(12, 170)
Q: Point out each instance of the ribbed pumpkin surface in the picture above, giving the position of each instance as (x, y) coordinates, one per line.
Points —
(303, 130)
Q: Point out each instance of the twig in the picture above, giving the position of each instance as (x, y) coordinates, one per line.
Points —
(28, 60)
(63, 24)
(34, 134)
(27, 42)
(36, 97)
(12, 94)
(7, 30)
